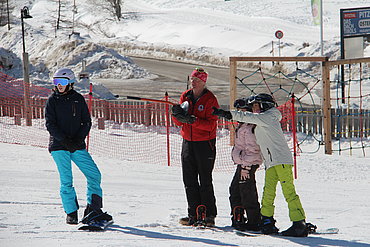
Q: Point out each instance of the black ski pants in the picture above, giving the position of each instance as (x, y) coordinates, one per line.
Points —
(244, 193)
(198, 159)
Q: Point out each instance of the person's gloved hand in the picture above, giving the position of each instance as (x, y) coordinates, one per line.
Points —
(222, 113)
(185, 118)
(69, 144)
(176, 109)
(244, 172)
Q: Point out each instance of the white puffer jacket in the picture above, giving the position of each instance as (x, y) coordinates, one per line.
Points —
(269, 135)
(246, 151)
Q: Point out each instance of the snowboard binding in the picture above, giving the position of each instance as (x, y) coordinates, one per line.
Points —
(311, 228)
(201, 216)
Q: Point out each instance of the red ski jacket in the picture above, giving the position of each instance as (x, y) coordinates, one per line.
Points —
(205, 126)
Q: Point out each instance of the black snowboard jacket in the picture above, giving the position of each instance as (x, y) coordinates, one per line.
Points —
(67, 117)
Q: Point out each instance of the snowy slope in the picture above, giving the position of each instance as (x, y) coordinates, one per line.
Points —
(146, 201)
(171, 29)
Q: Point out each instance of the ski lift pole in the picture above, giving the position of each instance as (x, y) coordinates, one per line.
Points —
(294, 138)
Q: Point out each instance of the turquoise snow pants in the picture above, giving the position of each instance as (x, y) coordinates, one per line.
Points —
(88, 167)
(284, 174)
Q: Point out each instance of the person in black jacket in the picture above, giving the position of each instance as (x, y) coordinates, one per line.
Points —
(68, 122)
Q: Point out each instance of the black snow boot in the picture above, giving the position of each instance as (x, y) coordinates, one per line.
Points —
(238, 219)
(87, 210)
(96, 216)
(268, 225)
(187, 221)
(72, 218)
(210, 221)
(298, 229)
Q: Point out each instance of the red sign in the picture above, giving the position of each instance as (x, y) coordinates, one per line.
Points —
(350, 15)
(279, 34)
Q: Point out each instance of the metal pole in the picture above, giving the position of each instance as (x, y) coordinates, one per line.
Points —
(342, 56)
(26, 79)
(321, 28)
(168, 131)
(24, 46)
(26, 76)
(294, 132)
(7, 8)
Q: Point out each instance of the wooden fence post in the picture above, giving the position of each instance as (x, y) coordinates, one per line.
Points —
(101, 123)
(233, 74)
(147, 114)
(18, 119)
(326, 106)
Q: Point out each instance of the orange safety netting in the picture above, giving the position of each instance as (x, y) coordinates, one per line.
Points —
(128, 130)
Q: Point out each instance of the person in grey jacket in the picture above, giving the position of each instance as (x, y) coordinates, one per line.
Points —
(278, 163)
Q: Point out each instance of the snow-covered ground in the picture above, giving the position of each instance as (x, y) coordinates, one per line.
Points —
(146, 201)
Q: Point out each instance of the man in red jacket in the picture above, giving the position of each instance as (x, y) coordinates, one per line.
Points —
(198, 129)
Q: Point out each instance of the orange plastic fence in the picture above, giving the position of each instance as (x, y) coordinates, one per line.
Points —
(128, 130)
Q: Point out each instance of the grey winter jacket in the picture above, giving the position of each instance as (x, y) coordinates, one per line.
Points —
(269, 135)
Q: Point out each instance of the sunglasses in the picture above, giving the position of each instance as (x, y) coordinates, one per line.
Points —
(61, 81)
(199, 69)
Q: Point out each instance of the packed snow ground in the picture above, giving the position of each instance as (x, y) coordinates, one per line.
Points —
(146, 201)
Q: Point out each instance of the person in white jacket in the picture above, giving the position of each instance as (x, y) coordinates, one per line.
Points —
(278, 163)
(246, 154)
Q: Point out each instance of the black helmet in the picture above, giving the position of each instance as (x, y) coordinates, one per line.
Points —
(240, 103)
(265, 100)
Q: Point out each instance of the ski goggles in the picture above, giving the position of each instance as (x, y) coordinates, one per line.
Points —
(61, 81)
(199, 69)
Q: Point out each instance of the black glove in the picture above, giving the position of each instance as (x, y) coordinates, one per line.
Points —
(185, 118)
(176, 109)
(70, 144)
(222, 113)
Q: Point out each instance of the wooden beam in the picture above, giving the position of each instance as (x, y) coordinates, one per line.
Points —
(349, 61)
(233, 68)
(277, 59)
(326, 107)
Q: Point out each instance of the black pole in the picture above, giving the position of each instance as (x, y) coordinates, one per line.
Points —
(7, 9)
(342, 56)
(24, 46)
(187, 83)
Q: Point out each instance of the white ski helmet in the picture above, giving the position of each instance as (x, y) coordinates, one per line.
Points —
(65, 73)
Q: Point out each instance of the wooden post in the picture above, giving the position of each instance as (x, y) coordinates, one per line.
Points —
(101, 123)
(147, 114)
(326, 107)
(17, 119)
(233, 71)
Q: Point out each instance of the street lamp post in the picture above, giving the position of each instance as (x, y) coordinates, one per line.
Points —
(26, 77)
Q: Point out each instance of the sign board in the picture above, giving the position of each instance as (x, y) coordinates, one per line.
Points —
(355, 22)
(279, 34)
(352, 47)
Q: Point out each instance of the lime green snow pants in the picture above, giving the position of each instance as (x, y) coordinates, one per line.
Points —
(284, 174)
